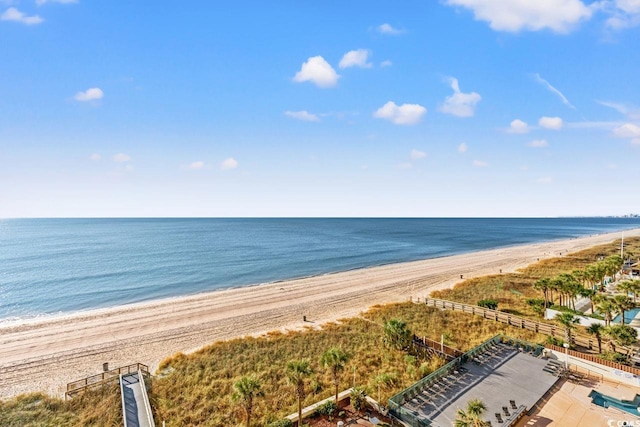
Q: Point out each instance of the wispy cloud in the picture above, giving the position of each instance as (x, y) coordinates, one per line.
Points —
(386, 63)
(628, 130)
(462, 148)
(317, 71)
(417, 154)
(41, 2)
(545, 180)
(303, 115)
(13, 14)
(405, 114)
(199, 164)
(356, 58)
(229, 163)
(480, 164)
(388, 30)
(460, 104)
(95, 157)
(538, 143)
(553, 90)
(631, 112)
(121, 158)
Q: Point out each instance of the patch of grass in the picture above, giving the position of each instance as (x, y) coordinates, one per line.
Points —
(95, 408)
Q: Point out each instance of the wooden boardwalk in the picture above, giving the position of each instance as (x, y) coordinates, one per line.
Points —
(136, 410)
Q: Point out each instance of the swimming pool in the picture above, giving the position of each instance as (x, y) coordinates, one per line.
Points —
(629, 316)
(629, 406)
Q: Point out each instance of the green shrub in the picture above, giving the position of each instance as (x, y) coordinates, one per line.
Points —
(358, 398)
(491, 304)
(281, 423)
(327, 408)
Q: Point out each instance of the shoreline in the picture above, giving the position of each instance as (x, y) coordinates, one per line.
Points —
(44, 354)
(16, 321)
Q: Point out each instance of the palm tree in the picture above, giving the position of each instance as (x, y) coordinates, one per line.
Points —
(568, 320)
(334, 359)
(543, 285)
(588, 293)
(396, 334)
(596, 329)
(623, 335)
(472, 417)
(622, 303)
(628, 287)
(605, 307)
(297, 372)
(246, 389)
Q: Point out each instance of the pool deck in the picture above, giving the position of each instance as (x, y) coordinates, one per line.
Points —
(570, 405)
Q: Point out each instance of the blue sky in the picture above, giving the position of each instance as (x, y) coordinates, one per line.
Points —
(360, 108)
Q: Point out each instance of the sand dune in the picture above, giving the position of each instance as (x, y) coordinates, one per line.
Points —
(45, 355)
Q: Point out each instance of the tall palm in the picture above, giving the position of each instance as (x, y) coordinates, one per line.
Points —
(588, 293)
(623, 335)
(396, 334)
(596, 329)
(297, 372)
(246, 389)
(568, 320)
(335, 360)
(472, 417)
(605, 307)
(544, 286)
(622, 303)
(629, 287)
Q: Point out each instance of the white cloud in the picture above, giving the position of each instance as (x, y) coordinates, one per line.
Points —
(624, 13)
(41, 2)
(13, 14)
(318, 71)
(355, 58)
(631, 112)
(538, 143)
(518, 126)
(417, 155)
(229, 163)
(406, 165)
(121, 158)
(95, 157)
(388, 29)
(196, 165)
(460, 104)
(405, 114)
(545, 180)
(92, 94)
(386, 63)
(480, 164)
(559, 16)
(303, 115)
(628, 130)
(462, 148)
(552, 89)
(554, 123)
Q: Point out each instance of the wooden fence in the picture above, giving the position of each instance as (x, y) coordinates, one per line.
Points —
(595, 359)
(100, 380)
(519, 322)
(445, 350)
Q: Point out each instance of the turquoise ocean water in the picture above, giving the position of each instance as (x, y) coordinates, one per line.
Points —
(54, 266)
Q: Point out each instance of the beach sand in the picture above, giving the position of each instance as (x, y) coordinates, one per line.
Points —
(45, 355)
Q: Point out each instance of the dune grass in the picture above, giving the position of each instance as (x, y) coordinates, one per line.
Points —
(196, 389)
(513, 289)
(95, 408)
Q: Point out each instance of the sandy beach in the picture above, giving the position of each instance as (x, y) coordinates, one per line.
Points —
(45, 355)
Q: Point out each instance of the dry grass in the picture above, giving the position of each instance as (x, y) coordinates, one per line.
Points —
(96, 408)
(512, 290)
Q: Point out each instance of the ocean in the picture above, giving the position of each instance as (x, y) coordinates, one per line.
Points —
(58, 266)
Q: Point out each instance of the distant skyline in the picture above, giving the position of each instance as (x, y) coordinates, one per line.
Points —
(452, 108)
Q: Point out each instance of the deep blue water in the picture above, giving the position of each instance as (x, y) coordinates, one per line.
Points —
(50, 266)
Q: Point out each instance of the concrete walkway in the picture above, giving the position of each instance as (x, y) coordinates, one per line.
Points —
(136, 409)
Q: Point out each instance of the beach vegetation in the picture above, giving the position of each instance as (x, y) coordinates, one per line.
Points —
(491, 304)
(597, 329)
(471, 416)
(246, 390)
(298, 371)
(397, 335)
(358, 397)
(568, 321)
(334, 360)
